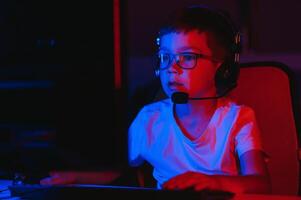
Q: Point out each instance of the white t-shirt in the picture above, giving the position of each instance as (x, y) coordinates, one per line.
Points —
(155, 136)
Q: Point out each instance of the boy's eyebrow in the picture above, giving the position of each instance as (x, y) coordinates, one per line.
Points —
(187, 49)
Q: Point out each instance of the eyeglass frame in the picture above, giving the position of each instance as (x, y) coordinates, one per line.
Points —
(173, 57)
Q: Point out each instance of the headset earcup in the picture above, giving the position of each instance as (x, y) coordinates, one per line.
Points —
(226, 77)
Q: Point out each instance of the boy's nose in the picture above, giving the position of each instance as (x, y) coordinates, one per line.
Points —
(173, 66)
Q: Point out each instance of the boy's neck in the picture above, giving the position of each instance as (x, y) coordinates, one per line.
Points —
(194, 117)
(196, 108)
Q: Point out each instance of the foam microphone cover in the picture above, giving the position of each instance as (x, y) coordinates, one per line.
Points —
(179, 97)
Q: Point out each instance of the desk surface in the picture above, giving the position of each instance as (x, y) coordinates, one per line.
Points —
(265, 197)
(5, 193)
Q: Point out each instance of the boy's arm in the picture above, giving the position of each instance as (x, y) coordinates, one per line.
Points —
(81, 177)
(254, 178)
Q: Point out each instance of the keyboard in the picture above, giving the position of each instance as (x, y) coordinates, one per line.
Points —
(35, 191)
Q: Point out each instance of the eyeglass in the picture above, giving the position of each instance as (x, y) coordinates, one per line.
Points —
(183, 60)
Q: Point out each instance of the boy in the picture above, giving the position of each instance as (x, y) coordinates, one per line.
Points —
(202, 139)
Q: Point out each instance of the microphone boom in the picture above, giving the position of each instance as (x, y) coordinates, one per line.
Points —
(182, 97)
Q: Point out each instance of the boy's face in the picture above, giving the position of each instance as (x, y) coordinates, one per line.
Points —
(198, 81)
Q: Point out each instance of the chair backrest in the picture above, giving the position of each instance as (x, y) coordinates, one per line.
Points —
(268, 87)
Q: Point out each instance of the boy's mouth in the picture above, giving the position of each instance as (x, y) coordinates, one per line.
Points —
(173, 85)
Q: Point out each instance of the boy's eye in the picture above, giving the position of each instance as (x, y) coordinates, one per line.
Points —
(165, 57)
(187, 57)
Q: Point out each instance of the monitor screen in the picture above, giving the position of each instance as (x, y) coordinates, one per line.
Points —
(60, 107)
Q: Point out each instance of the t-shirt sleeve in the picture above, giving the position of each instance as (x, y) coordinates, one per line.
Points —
(136, 141)
(248, 133)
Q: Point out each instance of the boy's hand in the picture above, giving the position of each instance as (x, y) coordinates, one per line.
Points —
(192, 180)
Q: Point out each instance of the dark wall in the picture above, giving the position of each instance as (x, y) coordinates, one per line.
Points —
(57, 92)
(267, 26)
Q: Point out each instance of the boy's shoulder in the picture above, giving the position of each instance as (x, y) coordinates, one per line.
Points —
(155, 109)
(229, 104)
(157, 106)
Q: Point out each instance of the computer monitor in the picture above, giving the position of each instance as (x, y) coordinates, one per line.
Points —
(60, 106)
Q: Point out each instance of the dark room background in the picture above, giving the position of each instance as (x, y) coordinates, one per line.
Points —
(57, 87)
